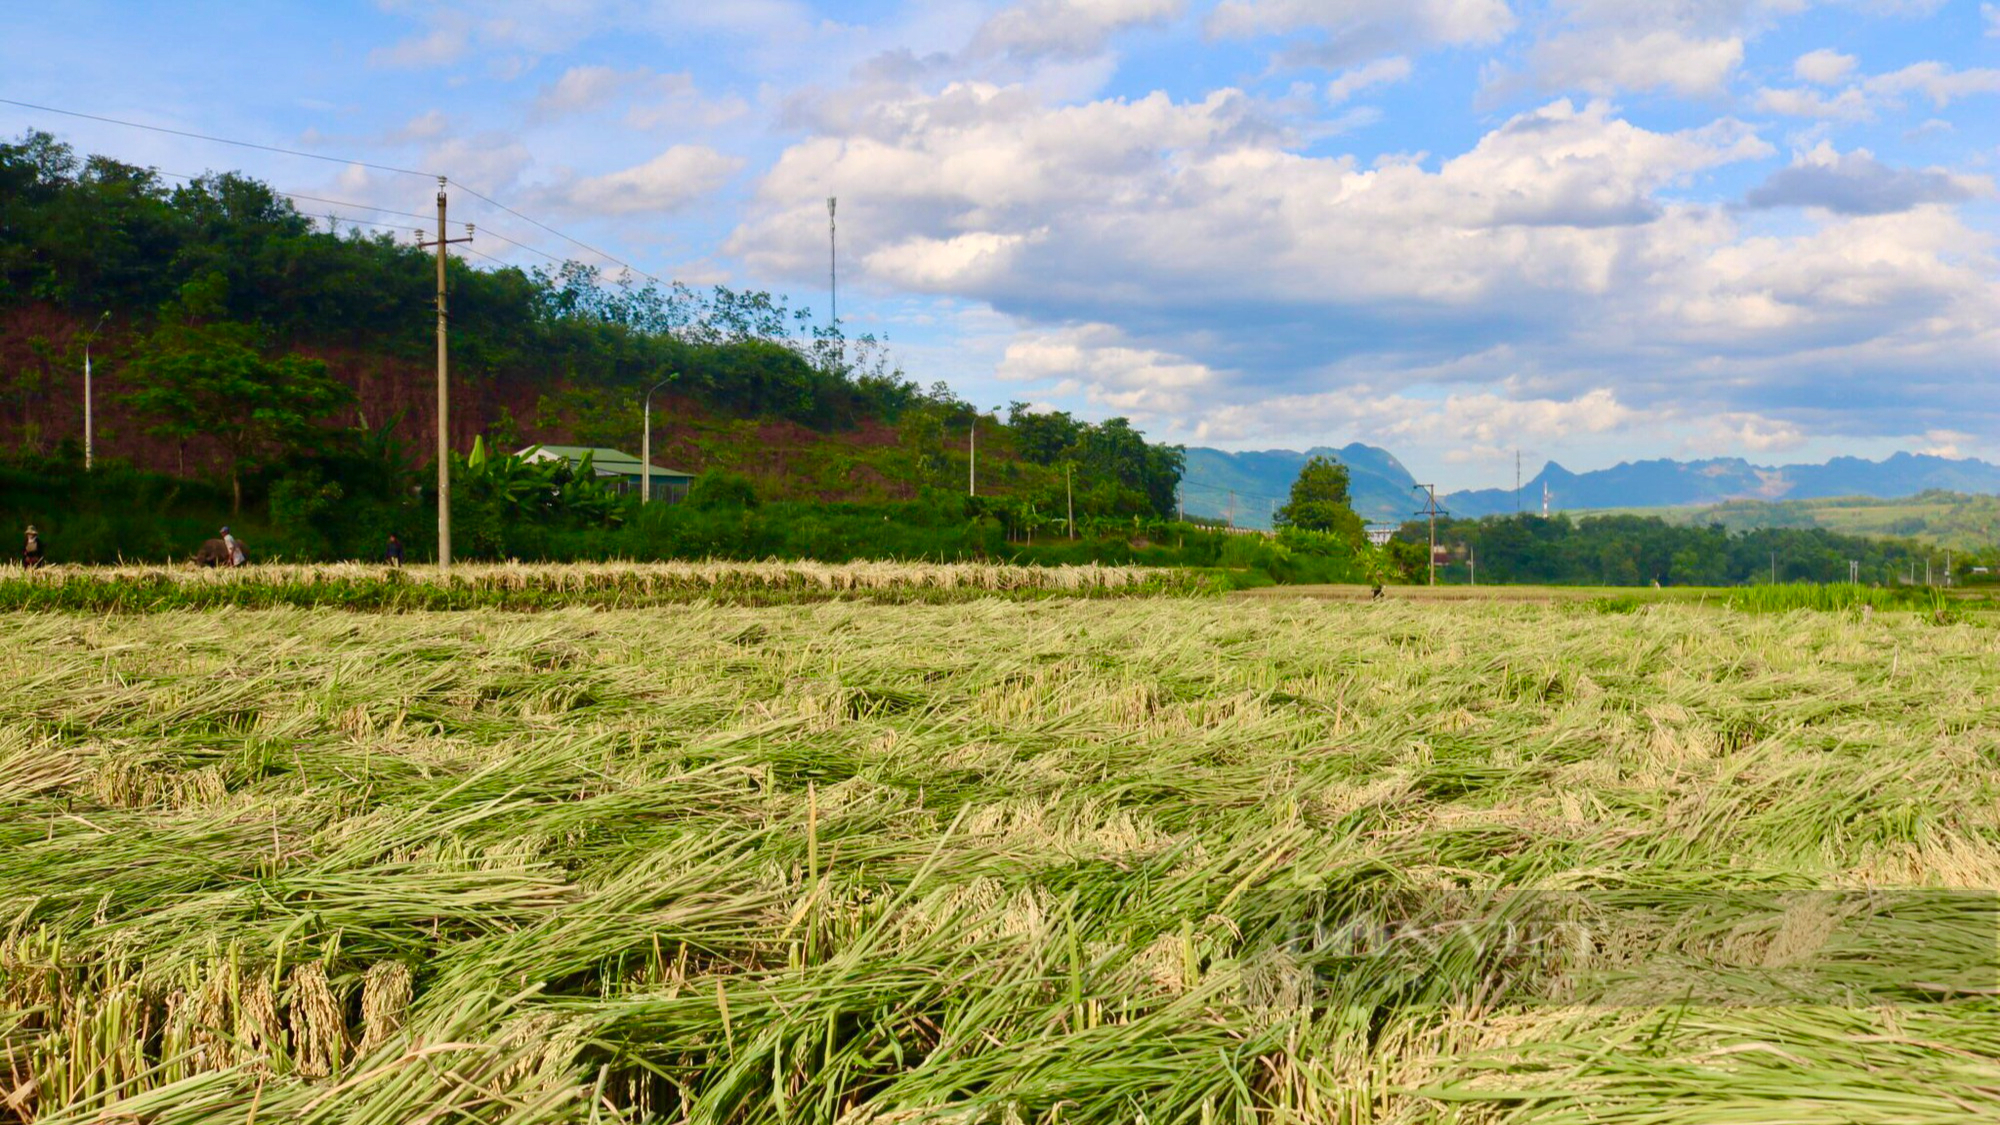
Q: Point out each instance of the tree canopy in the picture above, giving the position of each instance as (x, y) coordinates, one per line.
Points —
(1320, 502)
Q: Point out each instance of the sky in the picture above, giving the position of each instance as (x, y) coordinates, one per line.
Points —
(1585, 230)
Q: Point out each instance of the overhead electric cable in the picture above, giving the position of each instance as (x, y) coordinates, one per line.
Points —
(524, 246)
(620, 262)
(220, 140)
(190, 177)
(566, 238)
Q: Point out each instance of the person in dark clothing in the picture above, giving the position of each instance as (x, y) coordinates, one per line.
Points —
(393, 555)
(31, 553)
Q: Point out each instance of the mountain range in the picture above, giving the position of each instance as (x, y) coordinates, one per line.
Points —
(1384, 491)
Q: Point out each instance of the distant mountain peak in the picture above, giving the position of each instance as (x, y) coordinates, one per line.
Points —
(1663, 482)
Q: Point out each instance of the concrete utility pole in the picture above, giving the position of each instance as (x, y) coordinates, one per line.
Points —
(972, 460)
(1517, 482)
(1229, 519)
(1432, 510)
(646, 443)
(444, 383)
(1069, 498)
(89, 432)
(832, 266)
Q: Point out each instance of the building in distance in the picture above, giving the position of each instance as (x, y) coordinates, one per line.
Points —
(616, 468)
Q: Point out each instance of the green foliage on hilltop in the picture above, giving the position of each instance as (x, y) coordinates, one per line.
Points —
(1963, 522)
(224, 296)
(1641, 550)
(95, 234)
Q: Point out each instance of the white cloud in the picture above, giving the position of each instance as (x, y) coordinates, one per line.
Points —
(1855, 183)
(1992, 14)
(1097, 361)
(1662, 59)
(1850, 104)
(1067, 28)
(1483, 419)
(1740, 432)
(1823, 67)
(1953, 444)
(1381, 72)
(445, 43)
(1233, 269)
(652, 100)
(667, 182)
(1936, 81)
(586, 87)
(1692, 48)
(1350, 31)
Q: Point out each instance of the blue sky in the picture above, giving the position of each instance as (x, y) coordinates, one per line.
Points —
(1590, 230)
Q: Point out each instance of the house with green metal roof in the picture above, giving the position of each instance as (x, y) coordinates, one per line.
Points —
(619, 469)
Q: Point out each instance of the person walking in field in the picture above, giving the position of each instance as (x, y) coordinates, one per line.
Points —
(394, 554)
(31, 553)
(232, 550)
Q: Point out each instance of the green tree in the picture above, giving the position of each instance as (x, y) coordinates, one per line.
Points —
(201, 379)
(1319, 501)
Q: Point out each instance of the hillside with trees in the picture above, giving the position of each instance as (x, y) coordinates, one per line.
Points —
(250, 359)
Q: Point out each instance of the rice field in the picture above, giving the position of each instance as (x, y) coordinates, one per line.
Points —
(517, 586)
(1120, 860)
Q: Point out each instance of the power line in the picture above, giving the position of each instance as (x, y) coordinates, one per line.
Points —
(524, 246)
(383, 211)
(190, 177)
(467, 189)
(488, 257)
(219, 140)
(566, 238)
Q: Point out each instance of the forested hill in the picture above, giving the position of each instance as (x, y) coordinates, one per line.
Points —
(221, 287)
(1665, 483)
(1248, 486)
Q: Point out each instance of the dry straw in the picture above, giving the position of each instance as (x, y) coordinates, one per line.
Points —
(1169, 860)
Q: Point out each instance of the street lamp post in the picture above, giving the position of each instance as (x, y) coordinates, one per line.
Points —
(89, 431)
(646, 443)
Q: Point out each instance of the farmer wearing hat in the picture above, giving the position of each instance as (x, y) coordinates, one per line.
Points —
(233, 549)
(31, 555)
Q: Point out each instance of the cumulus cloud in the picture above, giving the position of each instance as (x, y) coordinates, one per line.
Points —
(1098, 361)
(1693, 48)
(1216, 265)
(1937, 81)
(1850, 104)
(586, 87)
(1088, 199)
(1663, 59)
(1855, 183)
(1381, 72)
(1346, 32)
(1461, 420)
(1738, 433)
(667, 182)
(1863, 99)
(445, 42)
(1823, 67)
(1953, 444)
(1066, 29)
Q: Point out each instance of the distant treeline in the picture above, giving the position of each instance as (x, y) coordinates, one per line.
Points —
(120, 514)
(1641, 550)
